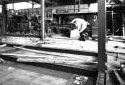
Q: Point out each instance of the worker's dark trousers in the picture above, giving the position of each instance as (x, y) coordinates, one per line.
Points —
(82, 36)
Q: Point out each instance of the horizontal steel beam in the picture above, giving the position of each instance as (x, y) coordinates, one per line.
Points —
(17, 1)
(37, 1)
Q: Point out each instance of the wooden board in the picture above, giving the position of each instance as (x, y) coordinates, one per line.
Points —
(65, 59)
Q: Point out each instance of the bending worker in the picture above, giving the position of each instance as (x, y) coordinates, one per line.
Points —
(81, 25)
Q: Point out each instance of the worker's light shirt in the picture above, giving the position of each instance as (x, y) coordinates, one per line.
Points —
(81, 24)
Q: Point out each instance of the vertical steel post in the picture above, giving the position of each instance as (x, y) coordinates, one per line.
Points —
(101, 35)
(13, 6)
(123, 24)
(59, 19)
(42, 33)
(4, 17)
(113, 28)
(102, 58)
(32, 7)
(74, 6)
(79, 6)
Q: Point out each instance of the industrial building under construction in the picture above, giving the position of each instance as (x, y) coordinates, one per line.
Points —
(62, 42)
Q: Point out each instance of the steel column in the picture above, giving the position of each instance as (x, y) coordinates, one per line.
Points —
(113, 28)
(42, 33)
(74, 6)
(13, 6)
(4, 17)
(123, 24)
(79, 6)
(32, 7)
(102, 58)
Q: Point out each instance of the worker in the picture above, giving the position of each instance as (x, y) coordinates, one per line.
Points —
(81, 25)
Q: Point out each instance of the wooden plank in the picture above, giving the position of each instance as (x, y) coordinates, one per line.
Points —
(1, 60)
(75, 61)
(6, 49)
(3, 45)
(119, 79)
(52, 59)
(58, 54)
(117, 55)
(73, 64)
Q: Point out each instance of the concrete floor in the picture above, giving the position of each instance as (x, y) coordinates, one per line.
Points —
(16, 76)
(12, 76)
(21, 74)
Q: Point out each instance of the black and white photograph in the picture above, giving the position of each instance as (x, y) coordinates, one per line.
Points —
(62, 42)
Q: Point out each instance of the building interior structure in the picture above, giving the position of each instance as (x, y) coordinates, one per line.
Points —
(40, 46)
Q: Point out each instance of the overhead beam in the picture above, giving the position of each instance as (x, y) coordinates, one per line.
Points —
(15, 1)
(37, 1)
